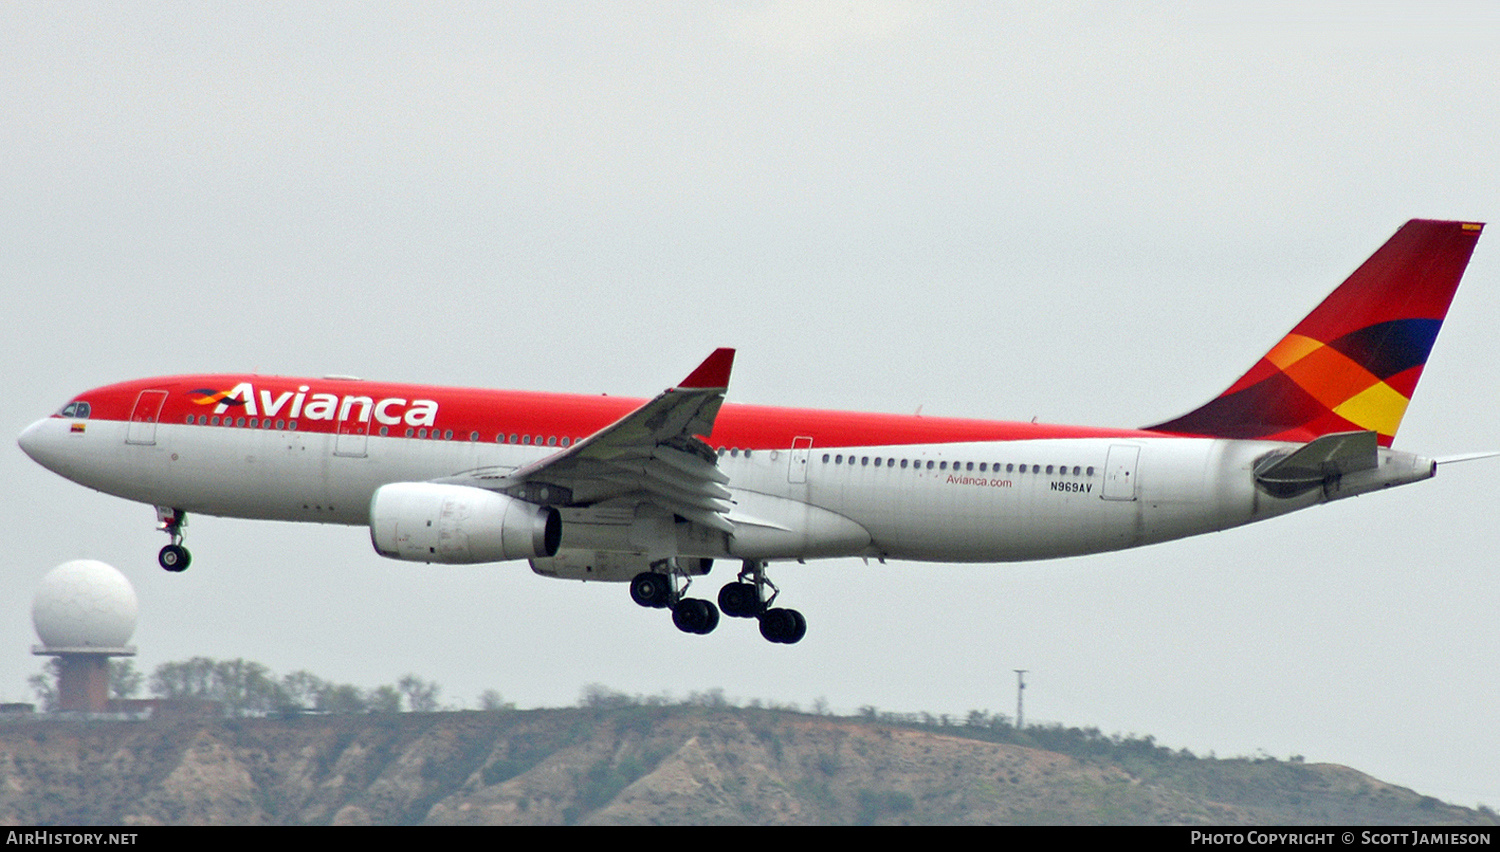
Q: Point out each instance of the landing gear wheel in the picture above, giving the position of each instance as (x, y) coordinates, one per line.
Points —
(693, 615)
(799, 630)
(713, 619)
(739, 600)
(650, 589)
(174, 558)
(783, 626)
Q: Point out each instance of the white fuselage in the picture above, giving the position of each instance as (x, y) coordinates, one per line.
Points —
(953, 502)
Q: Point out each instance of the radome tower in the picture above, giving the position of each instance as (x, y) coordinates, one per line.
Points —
(84, 613)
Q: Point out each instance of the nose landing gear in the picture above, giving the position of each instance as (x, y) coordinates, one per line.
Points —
(174, 557)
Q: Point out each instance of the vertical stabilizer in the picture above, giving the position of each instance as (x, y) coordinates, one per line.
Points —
(1353, 363)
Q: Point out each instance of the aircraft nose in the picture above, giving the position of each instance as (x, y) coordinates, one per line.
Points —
(31, 439)
(38, 441)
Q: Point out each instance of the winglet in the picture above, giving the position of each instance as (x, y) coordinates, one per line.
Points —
(712, 373)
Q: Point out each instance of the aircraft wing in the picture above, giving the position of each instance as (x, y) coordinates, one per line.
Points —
(652, 454)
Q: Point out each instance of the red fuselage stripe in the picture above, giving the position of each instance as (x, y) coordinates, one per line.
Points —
(327, 405)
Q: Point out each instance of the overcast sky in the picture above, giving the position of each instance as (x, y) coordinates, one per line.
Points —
(1085, 213)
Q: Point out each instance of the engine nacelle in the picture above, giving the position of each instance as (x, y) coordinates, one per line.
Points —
(431, 522)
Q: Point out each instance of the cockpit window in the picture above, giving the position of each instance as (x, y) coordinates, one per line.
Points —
(75, 410)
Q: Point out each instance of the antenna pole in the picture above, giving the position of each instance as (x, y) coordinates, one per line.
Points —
(1020, 688)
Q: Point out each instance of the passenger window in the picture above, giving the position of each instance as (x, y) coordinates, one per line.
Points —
(877, 461)
(903, 463)
(1091, 470)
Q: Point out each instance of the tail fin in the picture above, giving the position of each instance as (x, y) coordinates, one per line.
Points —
(1353, 363)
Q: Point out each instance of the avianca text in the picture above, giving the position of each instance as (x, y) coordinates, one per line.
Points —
(978, 480)
(392, 411)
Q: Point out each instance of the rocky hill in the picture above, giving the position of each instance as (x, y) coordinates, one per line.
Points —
(644, 765)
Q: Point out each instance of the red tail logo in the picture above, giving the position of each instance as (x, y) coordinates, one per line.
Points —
(1353, 363)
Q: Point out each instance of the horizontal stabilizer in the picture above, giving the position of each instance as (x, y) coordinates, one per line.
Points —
(1317, 462)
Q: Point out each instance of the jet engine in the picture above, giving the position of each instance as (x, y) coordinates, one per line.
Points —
(431, 522)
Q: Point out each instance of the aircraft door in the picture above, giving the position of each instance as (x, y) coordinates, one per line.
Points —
(142, 427)
(796, 471)
(1119, 472)
(353, 436)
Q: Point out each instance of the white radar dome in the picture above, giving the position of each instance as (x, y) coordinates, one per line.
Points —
(84, 604)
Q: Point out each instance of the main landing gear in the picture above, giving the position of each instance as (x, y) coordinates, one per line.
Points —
(174, 557)
(744, 598)
(659, 589)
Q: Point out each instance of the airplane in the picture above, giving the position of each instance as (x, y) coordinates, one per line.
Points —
(652, 492)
